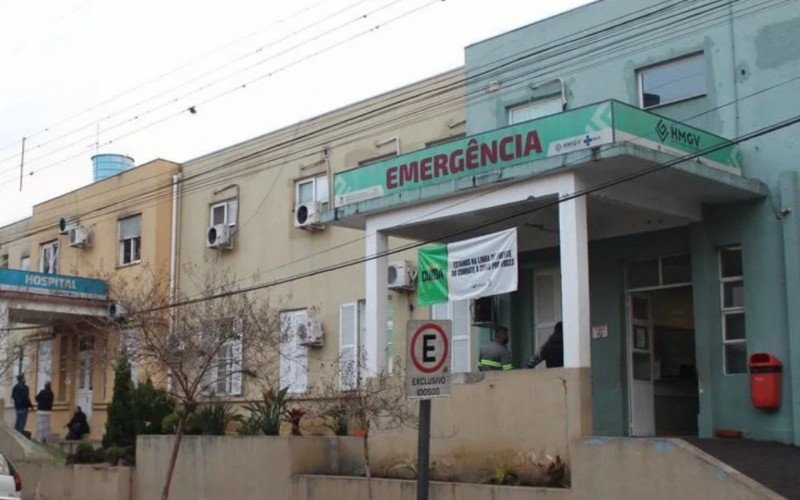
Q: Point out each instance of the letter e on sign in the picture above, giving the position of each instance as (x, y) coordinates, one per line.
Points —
(428, 359)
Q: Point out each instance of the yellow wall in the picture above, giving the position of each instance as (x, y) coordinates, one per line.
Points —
(263, 171)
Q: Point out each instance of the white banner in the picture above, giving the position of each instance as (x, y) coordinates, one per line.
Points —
(482, 266)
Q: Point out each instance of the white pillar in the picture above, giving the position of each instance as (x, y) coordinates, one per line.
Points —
(5, 323)
(575, 280)
(377, 299)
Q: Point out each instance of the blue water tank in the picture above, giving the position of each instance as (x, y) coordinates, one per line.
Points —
(106, 165)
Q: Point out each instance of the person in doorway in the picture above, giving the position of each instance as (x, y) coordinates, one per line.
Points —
(552, 352)
(78, 426)
(44, 405)
(22, 403)
(494, 354)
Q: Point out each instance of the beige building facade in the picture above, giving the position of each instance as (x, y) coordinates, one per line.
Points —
(250, 212)
(65, 257)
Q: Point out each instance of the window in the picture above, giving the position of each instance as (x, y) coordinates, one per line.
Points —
(225, 212)
(352, 332)
(130, 240)
(659, 271)
(293, 355)
(25, 263)
(20, 363)
(314, 189)
(225, 375)
(48, 261)
(4, 261)
(535, 109)
(672, 81)
(458, 312)
(63, 368)
(731, 284)
(44, 364)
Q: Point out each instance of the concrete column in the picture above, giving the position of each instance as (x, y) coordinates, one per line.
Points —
(377, 299)
(574, 250)
(791, 245)
(4, 333)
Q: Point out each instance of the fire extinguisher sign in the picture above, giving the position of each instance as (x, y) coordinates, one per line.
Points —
(428, 359)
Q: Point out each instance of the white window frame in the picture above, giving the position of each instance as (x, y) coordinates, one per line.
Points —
(449, 310)
(231, 207)
(640, 80)
(52, 260)
(544, 102)
(320, 191)
(135, 241)
(293, 355)
(25, 263)
(730, 311)
(44, 363)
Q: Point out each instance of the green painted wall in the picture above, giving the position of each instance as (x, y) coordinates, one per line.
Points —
(753, 79)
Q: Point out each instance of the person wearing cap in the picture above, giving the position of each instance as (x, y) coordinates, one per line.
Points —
(22, 403)
(494, 354)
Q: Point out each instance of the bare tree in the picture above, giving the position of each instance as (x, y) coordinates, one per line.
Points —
(204, 344)
(373, 403)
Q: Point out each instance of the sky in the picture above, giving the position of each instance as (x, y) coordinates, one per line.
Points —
(88, 76)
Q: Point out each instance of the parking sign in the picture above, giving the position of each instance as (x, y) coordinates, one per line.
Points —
(428, 359)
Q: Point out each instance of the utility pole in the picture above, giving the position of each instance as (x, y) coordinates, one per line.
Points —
(21, 164)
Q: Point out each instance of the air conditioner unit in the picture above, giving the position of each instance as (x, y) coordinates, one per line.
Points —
(78, 237)
(117, 313)
(66, 223)
(306, 216)
(310, 333)
(402, 275)
(218, 236)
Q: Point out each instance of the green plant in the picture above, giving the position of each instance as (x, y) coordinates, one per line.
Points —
(117, 454)
(295, 415)
(84, 453)
(335, 419)
(211, 419)
(152, 405)
(267, 415)
(504, 474)
(121, 423)
(169, 424)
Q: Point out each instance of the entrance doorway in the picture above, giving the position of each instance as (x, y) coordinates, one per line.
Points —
(662, 374)
(84, 387)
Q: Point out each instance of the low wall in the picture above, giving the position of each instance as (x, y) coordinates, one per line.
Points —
(656, 469)
(49, 481)
(337, 488)
(240, 467)
(491, 418)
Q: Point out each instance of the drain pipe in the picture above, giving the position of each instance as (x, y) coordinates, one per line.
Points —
(173, 260)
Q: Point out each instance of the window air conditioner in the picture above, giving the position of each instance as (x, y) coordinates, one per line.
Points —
(310, 333)
(218, 237)
(78, 237)
(306, 216)
(402, 275)
(66, 223)
(117, 313)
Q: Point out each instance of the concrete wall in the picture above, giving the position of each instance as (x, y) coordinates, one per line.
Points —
(49, 481)
(336, 488)
(238, 467)
(656, 469)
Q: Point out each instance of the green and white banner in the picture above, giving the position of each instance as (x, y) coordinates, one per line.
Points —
(478, 267)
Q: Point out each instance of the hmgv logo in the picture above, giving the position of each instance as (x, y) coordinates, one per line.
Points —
(677, 134)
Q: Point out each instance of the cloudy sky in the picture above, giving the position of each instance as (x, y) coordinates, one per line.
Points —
(81, 76)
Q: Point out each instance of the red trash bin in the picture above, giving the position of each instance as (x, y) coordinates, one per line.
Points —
(765, 381)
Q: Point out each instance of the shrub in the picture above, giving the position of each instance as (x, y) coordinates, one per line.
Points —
(152, 405)
(169, 424)
(116, 455)
(84, 453)
(121, 424)
(211, 419)
(336, 421)
(268, 414)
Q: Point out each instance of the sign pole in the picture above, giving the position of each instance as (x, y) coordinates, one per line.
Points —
(423, 448)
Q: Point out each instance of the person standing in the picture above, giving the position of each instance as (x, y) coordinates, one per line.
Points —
(22, 403)
(494, 354)
(552, 352)
(78, 426)
(44, 405)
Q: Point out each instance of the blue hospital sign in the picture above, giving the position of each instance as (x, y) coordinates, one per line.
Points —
(12, 280)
